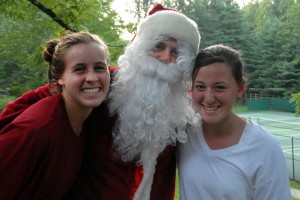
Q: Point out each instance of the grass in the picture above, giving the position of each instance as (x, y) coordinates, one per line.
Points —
(295, 185)
(177, 194)
(4, 100)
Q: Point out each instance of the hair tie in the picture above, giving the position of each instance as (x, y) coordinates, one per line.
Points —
(56, 48)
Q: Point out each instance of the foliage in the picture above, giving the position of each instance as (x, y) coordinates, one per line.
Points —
(296, 99)
(4, 100)
(24, 30)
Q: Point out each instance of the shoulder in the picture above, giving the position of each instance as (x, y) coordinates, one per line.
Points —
(39, 120)
(47, 105)
(259, 132)
(42, 112)
(260, 138)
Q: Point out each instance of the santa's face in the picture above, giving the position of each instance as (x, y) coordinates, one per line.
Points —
(160, 60)
(165, 51)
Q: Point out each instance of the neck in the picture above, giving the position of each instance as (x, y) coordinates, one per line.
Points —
(77, 115)
(224, 134)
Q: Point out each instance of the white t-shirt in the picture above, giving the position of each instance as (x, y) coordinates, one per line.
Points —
(253, 169)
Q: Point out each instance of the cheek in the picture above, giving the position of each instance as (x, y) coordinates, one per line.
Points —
(194, 96)
(154, 55)
(105, 80)
(72, 82)
(173, 59)
(228, 99)
(197, 97)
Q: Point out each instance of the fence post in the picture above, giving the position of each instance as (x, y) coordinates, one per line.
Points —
(293, 159)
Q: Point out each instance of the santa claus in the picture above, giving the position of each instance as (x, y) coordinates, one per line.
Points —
(150, 92)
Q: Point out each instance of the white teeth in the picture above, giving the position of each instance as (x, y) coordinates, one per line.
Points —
(91, 90)
(211, 108)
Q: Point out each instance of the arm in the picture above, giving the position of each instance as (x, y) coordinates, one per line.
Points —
(19, 156)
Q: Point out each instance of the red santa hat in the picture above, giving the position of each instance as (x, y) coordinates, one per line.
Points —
(171, 23)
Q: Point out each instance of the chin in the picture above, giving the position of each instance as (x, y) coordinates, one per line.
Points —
(93, 103)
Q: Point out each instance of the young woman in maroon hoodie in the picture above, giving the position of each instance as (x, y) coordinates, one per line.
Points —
(41, 150)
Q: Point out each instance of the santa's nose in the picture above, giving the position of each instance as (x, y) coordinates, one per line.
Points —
(166, 57)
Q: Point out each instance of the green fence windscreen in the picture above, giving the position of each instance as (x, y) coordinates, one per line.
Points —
(270, 104)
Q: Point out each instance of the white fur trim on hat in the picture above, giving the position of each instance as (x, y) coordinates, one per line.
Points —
(170, 23)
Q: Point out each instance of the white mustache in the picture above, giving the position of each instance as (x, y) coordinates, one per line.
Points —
(167, 72)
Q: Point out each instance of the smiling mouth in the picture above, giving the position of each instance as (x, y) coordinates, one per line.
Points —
(211, 108)
(91, 90)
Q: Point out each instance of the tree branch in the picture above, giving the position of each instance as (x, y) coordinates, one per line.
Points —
(52, 15)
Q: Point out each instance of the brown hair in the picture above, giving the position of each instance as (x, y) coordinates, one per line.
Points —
(222, 54)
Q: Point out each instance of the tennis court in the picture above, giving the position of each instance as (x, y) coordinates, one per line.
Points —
(286, 127)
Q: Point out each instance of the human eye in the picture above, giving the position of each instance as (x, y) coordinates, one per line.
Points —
(174, 52)
(100, 67)
(199, 87)
(79, 68)
(159, 47)
(220, 88)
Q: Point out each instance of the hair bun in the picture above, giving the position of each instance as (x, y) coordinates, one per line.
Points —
(49, 51)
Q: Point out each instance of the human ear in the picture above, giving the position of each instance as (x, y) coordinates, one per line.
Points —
(60, 82)
(241, 89)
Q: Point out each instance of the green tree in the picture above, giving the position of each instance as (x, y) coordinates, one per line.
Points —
(273, 72)
(24, 29)
(291, 33)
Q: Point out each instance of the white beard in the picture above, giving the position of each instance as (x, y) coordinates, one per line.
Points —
(153, 107)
